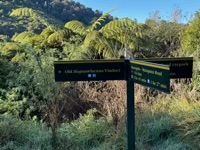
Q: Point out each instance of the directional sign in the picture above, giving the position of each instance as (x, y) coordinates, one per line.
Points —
(151, 75)
(90, 70)
(180, 67)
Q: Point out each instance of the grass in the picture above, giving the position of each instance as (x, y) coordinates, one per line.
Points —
(170, 123)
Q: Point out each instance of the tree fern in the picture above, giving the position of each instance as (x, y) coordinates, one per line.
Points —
(79, 27)
(99, 20)
(121, 26)
(108, 48)
(125, 31)
(35, 15)
(21, 12)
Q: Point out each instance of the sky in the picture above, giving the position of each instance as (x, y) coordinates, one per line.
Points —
(142, 9)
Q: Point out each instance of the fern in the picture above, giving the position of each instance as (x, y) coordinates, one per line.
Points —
(21, 12)
(23, 37)
(48, 31)
(35, 15)
(10, 49)
(91, 38)
(99, 20)
(59, 36)
(120, 26)
(76, 26)
(37, 40)
(125, 31)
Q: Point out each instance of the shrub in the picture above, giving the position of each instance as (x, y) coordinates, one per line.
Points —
(86, 131)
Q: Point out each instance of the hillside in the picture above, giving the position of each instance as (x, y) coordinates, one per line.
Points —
(53, 12)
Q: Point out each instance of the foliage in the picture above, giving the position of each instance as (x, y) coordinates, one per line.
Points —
(10, 50)
(97, 23)
(162, 123)
(116, 36)
(20, 16)
(169, 123)
(126, 31)
(22, 135)
(5, 69)
(76, 26)
(22, 12)
(36, 15)
(191, 36)
(12, 103)
(28, 89)
(86, 131)
(109, 95)
(161, 38)
(36, 76)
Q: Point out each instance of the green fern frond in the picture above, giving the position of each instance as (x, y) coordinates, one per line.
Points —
(76, 26)
(20, 12)
(91, 38)
(36, 40)
(59, 36)
(23, 37)
(125, 31)
(47, 32)
(121, 24)
(19, 57)
(99, 20)
(10, 49)
(35, 15)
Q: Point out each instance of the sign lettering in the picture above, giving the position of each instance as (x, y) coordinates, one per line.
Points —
(180, 67)
(151, 75)
(90, 70)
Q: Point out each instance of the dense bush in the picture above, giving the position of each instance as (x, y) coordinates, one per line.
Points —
(38, 113)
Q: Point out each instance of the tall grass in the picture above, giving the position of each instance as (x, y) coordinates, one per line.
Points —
(22, 135)
(167, 123)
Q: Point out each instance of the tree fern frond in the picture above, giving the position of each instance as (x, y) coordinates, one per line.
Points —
(23, 37)
(99, 20)
(19, 57)
(76, 26)
(125, 31)
(36, 40)
(20, 12)
(10, 49)
(59, 36)
(47, 32)
(91, 38)
(36, 15)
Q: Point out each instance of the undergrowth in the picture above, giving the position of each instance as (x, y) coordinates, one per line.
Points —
(168, 123)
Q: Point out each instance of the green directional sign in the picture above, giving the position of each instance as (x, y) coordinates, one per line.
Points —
(151, 75)
(180, 67)
(90, 70)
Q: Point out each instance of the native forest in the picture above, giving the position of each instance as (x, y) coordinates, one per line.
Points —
(37, 113)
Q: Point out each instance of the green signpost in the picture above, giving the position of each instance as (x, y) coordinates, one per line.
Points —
(154, 73)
